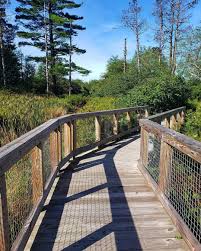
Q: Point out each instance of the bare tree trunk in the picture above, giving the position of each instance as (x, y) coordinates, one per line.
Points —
(70, 61)
(46, 50)
(138, 50)
(161, 45)
(125, 56)
(51, 41)
(2, 53)
(171, 33)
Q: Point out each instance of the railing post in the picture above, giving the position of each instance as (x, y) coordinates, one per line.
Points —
(73, 136)
(98, 128)
(173, 122)
(59, 144)
(146, 113)
(67, 139)
(182, 117)
(53, 149)
(166, 123)
(144, 147)
(128, 117)
(38, 182)
(115, 124)
(165, 165)
(4, 225)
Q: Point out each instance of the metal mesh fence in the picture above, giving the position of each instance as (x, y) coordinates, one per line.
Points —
(19, 195)
(184, 190)
(85, 132)
(46, 159)
(153, 165)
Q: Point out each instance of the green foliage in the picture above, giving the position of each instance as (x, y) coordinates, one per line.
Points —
(21, 113)
(192, 125)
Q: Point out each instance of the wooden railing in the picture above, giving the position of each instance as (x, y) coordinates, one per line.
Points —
(171, 162)
(29, 165)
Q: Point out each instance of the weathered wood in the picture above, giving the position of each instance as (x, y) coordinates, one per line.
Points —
(67, 139)
(98, 128)
(73, 136)
(165, 165)
(128, 118)
(166, 123)
(173, 122)
(144, 147)
(146, 113)
(182, 117)
(59, 144)
(160, 117)
(38, 182)
(115, 124)
(4, 226)
(53, 149)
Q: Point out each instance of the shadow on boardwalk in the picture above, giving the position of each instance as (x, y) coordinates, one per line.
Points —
(122, 225)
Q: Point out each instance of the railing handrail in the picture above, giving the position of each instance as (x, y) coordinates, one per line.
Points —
(160, 116)
(15, 150)
(169, 142)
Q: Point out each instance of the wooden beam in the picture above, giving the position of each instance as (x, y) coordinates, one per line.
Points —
(53, 150)
(98, 128)
(73, 136)
(115, 124)
(144, 147)
(38, 180)
(128, 118)
(67, 139)
(59, 144)
(165, 165)
(4, 225)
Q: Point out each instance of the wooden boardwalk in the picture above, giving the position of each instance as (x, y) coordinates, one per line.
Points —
(104, 203)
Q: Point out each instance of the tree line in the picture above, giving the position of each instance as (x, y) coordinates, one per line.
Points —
(49, 26)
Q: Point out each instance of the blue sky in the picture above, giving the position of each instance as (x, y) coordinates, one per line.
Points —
(104, 35)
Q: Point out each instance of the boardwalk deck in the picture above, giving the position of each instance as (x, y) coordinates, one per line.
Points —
(104, 203)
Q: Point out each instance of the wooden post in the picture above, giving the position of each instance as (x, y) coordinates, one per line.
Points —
(115, 124)
(166, 123)
(53, 150)
(98, 128)
(73, 136)
(128, 117)
(59, 144)
(67, 139)
(38, 181)
(4, 226)
(146, 113)
(173, 122)
(182, 117)
(165, 165)
(144, 147)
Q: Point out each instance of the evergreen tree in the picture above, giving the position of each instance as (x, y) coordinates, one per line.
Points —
(48, 26)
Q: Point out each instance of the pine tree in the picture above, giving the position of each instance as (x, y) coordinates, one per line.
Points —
(6, 38)
(46, 25)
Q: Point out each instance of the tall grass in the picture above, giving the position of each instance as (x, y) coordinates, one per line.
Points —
(21, 113)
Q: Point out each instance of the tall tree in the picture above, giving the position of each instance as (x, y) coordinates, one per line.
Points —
(159, 13)
(45, 24)
(177, 18)
(132, 19)
(6, 37)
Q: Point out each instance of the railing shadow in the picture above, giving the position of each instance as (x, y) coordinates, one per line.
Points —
(122, 225)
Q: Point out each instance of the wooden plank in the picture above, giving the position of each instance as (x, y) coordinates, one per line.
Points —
(144, 147)
(53, 149)
(115, 124)
(38, 181)
(67, 139)
(59, 144)
(165, 165)
(4, 230)
(173, 122)
(98, 128)
(128, 118)
(73, 135)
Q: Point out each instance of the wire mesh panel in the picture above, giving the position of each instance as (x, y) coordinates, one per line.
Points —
(153, 164)
(184, 190)
(19, 195)
(85, 130)
(46, 159)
